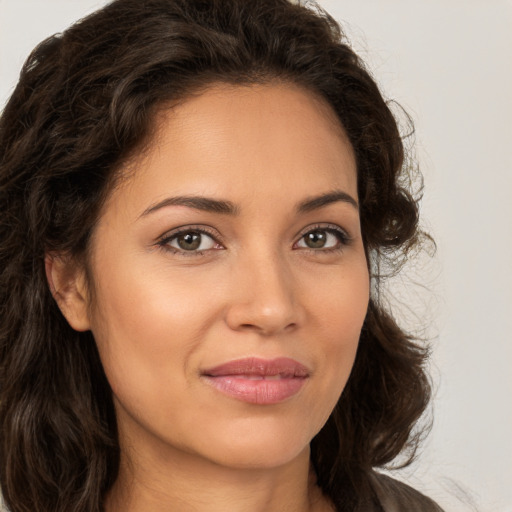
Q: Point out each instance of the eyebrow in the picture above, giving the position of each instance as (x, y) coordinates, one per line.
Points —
(316, 202)
(223, 207)
(206, 204)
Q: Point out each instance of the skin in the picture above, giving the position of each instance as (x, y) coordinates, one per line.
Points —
(162, 314)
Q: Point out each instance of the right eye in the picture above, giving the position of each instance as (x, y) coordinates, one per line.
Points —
(189, 242)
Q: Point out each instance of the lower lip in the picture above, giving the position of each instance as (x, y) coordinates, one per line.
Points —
(257, 391)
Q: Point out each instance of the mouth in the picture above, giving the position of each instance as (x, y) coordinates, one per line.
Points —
(258, 381)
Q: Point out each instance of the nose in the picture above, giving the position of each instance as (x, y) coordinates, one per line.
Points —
(265, 297)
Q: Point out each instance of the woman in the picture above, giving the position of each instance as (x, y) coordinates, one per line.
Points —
(197, 201)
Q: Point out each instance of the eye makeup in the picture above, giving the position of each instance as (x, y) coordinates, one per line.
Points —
(196, 238)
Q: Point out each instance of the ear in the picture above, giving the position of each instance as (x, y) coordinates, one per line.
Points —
(68, 286)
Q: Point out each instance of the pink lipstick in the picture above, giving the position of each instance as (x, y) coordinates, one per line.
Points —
(258, 381)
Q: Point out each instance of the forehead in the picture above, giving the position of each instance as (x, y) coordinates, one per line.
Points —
(269, 141)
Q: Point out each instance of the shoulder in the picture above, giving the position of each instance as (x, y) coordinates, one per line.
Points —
(395, 496)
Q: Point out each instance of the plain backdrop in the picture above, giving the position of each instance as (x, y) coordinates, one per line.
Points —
(448, 63)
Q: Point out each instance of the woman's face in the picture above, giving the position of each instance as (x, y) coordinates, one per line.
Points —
(230, 279)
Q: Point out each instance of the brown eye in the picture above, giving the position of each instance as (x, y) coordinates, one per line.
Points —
(316, 239)
(323, 239)
(190, 241)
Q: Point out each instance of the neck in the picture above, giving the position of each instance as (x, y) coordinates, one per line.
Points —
(186, 483)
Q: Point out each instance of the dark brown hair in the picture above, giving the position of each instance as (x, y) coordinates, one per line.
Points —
(85, 102)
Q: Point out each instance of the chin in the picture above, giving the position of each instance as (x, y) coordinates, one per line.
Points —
(257, 447)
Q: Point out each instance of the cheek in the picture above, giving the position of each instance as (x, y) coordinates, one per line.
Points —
(341, 311)
(146, 326)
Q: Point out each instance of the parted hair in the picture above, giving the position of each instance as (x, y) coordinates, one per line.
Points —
(85, 102)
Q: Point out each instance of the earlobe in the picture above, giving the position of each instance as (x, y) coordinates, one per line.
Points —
(68, 287)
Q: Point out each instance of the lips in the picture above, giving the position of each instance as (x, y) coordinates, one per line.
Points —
(258, 381)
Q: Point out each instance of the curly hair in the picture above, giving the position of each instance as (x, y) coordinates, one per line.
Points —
(85, 102)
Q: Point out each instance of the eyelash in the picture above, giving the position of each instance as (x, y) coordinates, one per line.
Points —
(342, 236)
(164, 242)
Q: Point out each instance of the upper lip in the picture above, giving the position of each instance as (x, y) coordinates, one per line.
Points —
(253, 366)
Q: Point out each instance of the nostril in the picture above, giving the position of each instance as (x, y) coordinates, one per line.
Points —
(267, 329)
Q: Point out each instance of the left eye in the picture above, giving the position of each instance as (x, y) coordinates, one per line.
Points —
(191, 241)
(321, 239)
